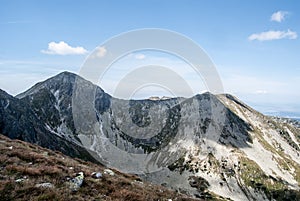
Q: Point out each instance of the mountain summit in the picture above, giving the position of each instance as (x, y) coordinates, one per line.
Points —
(204, 145)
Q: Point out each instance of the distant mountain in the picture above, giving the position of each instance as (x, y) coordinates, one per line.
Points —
(283, 114)
(204, 145)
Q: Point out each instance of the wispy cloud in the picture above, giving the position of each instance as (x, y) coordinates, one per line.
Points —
(62, 48)
(273, 35)
(279, 16)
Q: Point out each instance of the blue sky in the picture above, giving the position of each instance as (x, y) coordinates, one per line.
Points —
(256, 55)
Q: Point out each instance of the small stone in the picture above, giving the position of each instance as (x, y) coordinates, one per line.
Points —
(76, 182)
(19, 180)
(44, 185)
(109, 172)
(96, 175)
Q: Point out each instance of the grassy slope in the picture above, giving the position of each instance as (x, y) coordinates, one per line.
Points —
(19, 159)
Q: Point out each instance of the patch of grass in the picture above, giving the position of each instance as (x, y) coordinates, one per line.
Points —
(285, 163)
(274, 188)
(178, 165)
(262, 141)
(289, 164)
(213, 162)
(280, 127)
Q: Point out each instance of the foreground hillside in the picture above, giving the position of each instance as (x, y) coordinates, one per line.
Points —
(30, 172)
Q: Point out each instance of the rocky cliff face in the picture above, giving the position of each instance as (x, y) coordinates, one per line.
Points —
(20, 119)
(204, 145)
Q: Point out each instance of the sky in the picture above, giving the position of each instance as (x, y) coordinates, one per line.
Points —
(254, 44)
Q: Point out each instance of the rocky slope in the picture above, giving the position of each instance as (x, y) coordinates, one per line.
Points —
(204, 145)
(19, 121)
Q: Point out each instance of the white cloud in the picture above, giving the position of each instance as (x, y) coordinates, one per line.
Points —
(62, 48)
(278, 16)
(140, 56)
(273, 35)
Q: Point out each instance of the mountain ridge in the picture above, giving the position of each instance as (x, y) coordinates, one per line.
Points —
(195, 145)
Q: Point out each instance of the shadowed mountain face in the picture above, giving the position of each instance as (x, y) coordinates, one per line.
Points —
(18, 120)
(195, 144)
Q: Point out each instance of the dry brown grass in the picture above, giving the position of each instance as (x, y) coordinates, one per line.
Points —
(39, 165)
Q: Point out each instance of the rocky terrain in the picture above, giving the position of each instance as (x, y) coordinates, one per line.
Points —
(19, 121)
(204, 146)
(294, 122)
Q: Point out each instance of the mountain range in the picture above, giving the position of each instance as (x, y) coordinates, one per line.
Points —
(205, 146)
